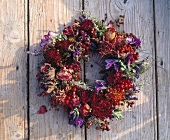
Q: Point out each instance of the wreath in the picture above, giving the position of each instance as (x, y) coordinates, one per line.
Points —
(60, 79)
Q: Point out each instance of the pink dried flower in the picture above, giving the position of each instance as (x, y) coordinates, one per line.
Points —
(65, 74)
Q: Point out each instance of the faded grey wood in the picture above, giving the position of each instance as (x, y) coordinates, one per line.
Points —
(162, 21)
(141, 124)
(49, 15)
(13, 70)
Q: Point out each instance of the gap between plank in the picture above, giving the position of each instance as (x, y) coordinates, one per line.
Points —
(28, 70)
(156, 69)
(28, 79)
(84, 73)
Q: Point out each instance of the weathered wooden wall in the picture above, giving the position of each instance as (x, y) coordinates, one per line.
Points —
(13, 70)
(24, 22)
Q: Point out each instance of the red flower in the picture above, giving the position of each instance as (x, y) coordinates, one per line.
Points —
(101, 107)
(75, 66)
(85, 97)
(85, 110)
(68, 31)
(86, 25)
(52, 56)
(64, 43)
(59, 98)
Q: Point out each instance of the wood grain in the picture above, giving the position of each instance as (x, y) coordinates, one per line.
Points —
(146, 19)
(48, 15)
(162, 16)
(141, 124)
(13, 60)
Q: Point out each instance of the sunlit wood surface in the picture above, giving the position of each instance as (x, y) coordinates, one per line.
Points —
(24, 22)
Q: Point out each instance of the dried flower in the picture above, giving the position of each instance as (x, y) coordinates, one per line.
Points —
(47, 71)
(85, 110)
(78, 121)
(135, 41)
(48, 39)
(111, 62)
(86, 25)
(100, 85)
(101, 107)
(110, 33)
(68, 31)
(64, 75)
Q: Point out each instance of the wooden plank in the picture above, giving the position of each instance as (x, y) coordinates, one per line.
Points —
(139, 20)
(162, 16)
(13, 60)
(48, 15)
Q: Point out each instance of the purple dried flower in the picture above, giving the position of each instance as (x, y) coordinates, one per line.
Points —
(100, 85)
(77, 121)
(77, 52)
(134, 87)
(128, 58)
(135, 41)
(111, 62)
(48, 39)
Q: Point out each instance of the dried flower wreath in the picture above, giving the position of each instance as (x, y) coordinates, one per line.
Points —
(59, 77)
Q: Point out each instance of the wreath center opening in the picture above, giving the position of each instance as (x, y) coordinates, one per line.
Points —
(94, 69)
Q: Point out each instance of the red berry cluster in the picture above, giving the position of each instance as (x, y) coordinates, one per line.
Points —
(76, 68)
(124, 84)
(102, 126)
(118, 82)
(125, 49)
(112, 78)
(116, 96)
(72, 99)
